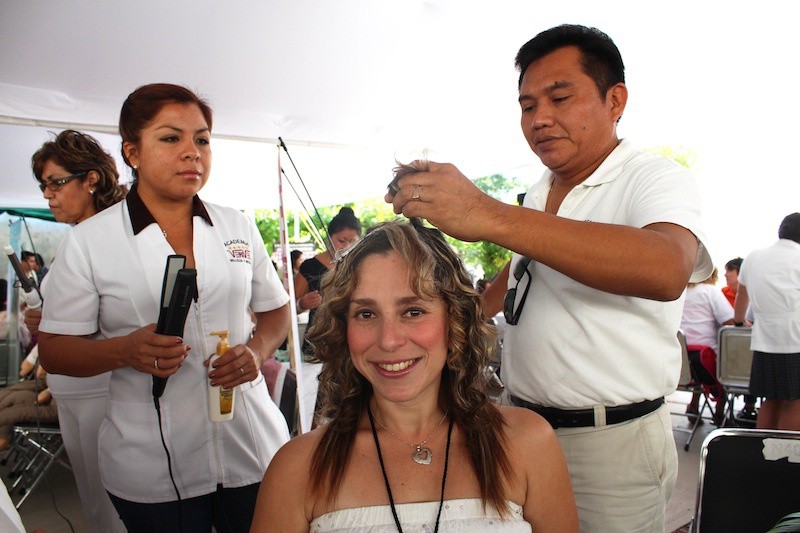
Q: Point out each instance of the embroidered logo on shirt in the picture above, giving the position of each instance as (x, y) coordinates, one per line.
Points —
(239, 251)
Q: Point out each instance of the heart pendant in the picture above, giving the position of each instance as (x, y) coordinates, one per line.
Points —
(422, 456)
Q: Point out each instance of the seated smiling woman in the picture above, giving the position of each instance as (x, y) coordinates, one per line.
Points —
(412, 441)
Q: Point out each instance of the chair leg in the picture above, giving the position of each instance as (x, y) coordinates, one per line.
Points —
(38, 452)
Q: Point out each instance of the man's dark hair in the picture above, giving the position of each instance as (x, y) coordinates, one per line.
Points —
(790, 228)
(734, 264)
(600, 57)
(25, 254)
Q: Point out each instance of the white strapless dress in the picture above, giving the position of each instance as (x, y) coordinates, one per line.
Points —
(464, 515)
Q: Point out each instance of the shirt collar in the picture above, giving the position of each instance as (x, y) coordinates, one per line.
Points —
(141, 217)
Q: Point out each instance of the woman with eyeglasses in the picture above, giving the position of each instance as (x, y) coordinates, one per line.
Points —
(165, 464)
(412, 442)
(78, 178)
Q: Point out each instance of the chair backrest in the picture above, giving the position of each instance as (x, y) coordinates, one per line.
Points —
(685, 380)
(748, 480)
(288, 401)
(735, 358)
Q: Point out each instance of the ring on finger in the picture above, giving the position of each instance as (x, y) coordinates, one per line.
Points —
(156, 363)
(415, 193)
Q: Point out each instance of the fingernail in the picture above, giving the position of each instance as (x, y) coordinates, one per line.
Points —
(179, 342)
(212, 375)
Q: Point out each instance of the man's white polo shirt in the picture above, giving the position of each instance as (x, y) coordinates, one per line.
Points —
(577, 347)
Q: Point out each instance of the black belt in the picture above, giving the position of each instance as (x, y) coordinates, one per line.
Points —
(578, 418)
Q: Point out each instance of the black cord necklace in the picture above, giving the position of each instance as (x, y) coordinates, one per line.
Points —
(386, 478)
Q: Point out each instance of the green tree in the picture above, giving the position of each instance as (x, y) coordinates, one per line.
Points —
(483, 255)
(680, 154)
(486, 255)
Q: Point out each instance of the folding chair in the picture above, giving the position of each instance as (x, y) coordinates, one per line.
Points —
(33, 450)
(748, 480)
(689, 383)
(735, 360)
(285, 396)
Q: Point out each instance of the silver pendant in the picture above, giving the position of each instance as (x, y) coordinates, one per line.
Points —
(422, 456)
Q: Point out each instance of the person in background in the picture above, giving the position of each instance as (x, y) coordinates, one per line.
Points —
(769, 281)
(732, 279)
(39, 267)
(404, 345)
(27, 401)
(482, 284)
(27, 260)
(343, 230)
(591, 339)
(296, 257)
(748, 412)
(102, 301)
(705, 309)
(79, 179)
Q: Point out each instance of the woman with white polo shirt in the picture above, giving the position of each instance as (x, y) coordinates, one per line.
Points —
(78, 178)
(109, 277)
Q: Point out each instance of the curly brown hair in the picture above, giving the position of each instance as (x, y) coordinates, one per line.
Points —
(77, 152)
(434, 271)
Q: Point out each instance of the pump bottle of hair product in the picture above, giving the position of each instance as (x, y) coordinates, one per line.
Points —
(220, 399)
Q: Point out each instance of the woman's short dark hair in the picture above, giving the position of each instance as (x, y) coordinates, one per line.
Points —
(790, 228)
(77, 152)
(143, 104)
(734, 264)
(344, 219)
(600, 57)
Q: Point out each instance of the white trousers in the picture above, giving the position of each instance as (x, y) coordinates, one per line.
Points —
(622, 475)
(79, 420)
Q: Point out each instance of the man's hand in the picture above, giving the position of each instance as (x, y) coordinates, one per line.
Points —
(443, 196)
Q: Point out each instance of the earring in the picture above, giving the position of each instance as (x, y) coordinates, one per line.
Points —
(91, 191)
(135, 167)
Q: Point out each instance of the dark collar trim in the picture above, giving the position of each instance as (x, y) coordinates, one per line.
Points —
(141, 216)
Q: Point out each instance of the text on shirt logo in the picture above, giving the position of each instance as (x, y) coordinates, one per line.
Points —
(239, 251)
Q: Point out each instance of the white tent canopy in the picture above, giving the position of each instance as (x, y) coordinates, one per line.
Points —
(350, 84)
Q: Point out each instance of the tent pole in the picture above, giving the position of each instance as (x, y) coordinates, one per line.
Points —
(294, 345)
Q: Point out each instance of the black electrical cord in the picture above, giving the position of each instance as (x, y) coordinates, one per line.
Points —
(316, 211)
(311, 228)
(157, 403)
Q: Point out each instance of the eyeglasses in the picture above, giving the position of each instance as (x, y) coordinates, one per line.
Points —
(56, 184)
(511, 314)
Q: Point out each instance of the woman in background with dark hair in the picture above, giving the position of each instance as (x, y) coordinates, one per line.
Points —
(170, 468)
(343, 230)
(78, 178)
(412, 441)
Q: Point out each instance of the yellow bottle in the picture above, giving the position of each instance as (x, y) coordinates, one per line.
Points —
(220, 399)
